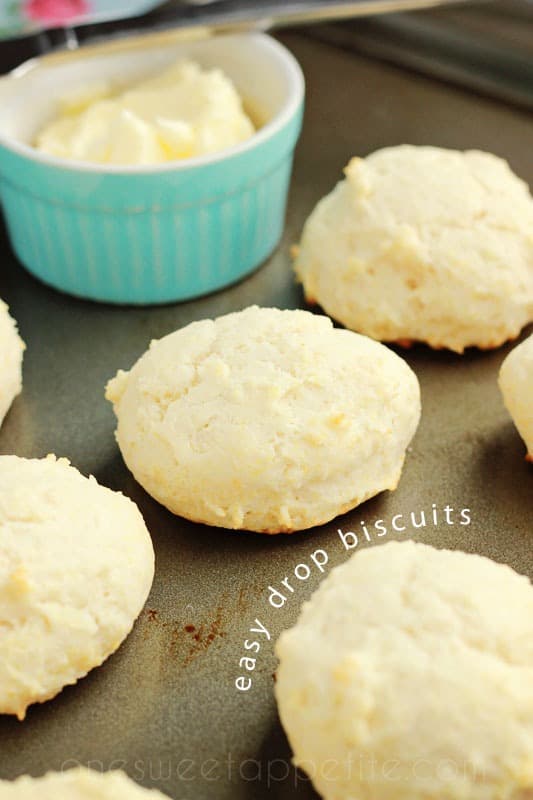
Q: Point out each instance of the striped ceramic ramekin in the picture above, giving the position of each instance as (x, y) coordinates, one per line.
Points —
(151, 234)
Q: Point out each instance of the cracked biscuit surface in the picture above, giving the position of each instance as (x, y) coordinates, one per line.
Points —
(76, 566)
(409, 676)
(11, 350)
(423, 244)
(265, 420)
(77, 784)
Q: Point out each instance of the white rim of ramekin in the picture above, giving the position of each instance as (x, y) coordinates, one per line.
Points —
(296, 93)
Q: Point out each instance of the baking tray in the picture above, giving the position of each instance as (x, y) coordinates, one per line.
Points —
(165, 707)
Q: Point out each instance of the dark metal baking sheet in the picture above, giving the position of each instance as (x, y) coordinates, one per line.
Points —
(485, 47)
(165, 707)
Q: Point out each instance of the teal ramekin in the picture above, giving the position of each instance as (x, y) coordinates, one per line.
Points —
(151, 234)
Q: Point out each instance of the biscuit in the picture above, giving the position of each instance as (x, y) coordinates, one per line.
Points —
(516, 384)
(423, 244)
(76, 784)
(76, 566)
(11, 349)
(265, 420)
(409, 676)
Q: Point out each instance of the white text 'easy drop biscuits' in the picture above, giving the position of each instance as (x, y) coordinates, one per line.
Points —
(265, 420)
(76, 566)
(76, 784)
(11, 350)
(409, 676)
(516, 384)
(423, 244)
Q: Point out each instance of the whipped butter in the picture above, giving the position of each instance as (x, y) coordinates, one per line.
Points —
(185, 111)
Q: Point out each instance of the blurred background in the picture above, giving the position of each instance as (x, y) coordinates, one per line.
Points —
(484, 46)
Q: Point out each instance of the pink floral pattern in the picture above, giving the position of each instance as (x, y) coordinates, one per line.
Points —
(55, 11)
